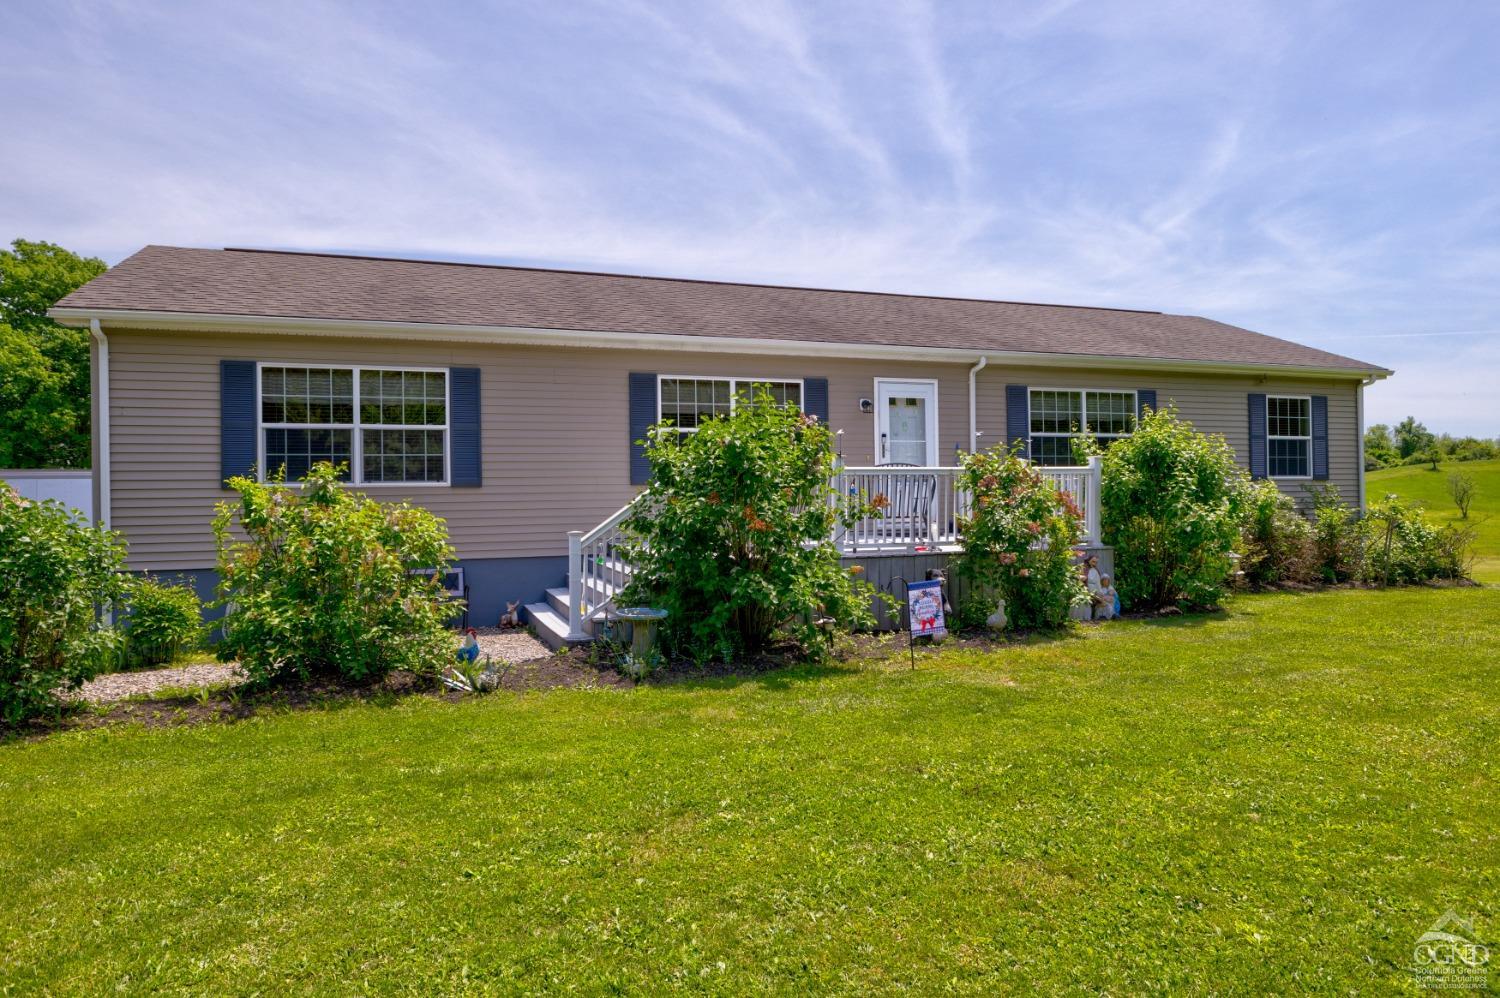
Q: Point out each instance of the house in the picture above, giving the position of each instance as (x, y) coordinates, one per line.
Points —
(509, 400)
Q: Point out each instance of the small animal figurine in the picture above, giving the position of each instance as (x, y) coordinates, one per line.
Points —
(468, 649)
(996, 620)
(510, 618)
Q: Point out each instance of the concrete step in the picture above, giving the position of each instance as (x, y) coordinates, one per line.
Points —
(550, 626)
(559, 600)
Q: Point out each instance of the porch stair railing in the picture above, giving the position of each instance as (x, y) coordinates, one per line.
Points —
(922, 507)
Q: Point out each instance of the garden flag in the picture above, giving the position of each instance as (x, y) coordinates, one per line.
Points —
(924, 602)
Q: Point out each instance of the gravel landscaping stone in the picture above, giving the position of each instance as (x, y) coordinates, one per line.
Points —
(512, 644)
(119, 685)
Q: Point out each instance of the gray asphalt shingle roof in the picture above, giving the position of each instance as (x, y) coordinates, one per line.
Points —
(323, 286)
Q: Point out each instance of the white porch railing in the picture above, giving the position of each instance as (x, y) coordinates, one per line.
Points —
(922, 505)
(596, 572)
(920, 512)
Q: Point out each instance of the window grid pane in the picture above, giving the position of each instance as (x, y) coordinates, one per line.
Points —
(687, 402)
(1056, 412)
(1052, 450)
(1059, 416)
(1111, 413)
(1288, 417)
(403, 398)
(1288, 458)
(325, 395)
(307, 395)
(403, 455)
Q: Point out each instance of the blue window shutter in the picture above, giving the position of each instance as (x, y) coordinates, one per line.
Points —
(643, 414)
(238, 450)
(815, 398)
(1320, 437)
(1145, 398)
(463, 427)
(1018, 417)
(1257, 435)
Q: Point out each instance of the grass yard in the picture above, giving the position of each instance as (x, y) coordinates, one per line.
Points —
(1430, 488)
(1278, 798)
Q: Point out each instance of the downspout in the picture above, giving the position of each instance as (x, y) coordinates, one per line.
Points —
(1359, 419)
(973, 404)
(101, 468)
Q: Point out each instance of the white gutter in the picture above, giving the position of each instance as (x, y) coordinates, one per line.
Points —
(203, 322)
(973, 405)
(101, 467)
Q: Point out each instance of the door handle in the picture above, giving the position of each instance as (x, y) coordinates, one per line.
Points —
(885, 449)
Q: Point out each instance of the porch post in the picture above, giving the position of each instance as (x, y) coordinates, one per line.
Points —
(1091, 511)
(575, 586)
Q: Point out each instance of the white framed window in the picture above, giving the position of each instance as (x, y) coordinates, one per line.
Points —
(1059, 415)
(388, 424)
(685, 401)
(1289, 436)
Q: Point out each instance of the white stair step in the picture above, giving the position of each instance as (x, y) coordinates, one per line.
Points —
(560, 600)
(550, 626)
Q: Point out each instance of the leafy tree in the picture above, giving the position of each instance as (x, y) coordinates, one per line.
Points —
(1380, 448)
(1171, 501)
(44, 366)
(1461, 488)
(1413, 438)
(733, 535)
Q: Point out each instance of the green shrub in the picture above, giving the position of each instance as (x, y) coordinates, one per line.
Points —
(57, 575)
(328, 582)
(733, 535)
(165, 620)
(1018, 540)
(1276, 542)
(1170, 502)
(1338, 536)
(1400, 546)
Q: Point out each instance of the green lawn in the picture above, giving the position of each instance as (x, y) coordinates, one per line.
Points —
(1430, 488)
(1278, 798)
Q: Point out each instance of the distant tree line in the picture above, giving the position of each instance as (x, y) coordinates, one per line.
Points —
(1412, 443)
(44, 367)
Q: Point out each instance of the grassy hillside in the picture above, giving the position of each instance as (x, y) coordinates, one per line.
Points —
(1430, 488)
(1281, 797)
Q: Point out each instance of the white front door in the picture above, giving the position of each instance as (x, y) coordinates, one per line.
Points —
(906, 422)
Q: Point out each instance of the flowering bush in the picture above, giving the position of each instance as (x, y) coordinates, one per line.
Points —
(330, 582)
(733, 535)
(57, 575)
(1018, 539)
(1170, 502)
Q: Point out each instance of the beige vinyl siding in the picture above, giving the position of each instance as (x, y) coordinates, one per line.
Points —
(1213, 403)
(555, 431)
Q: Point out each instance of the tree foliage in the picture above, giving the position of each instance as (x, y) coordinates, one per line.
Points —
(320, 581)
(733, 535)
(44, 366)
(57, 574)
(1170, 502)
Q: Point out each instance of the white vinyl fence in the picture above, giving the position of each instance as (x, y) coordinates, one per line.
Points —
(76, 488)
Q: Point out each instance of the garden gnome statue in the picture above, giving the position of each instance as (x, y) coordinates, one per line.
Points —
(996, 620)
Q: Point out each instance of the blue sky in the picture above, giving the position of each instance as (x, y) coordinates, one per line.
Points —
(1326, 171)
